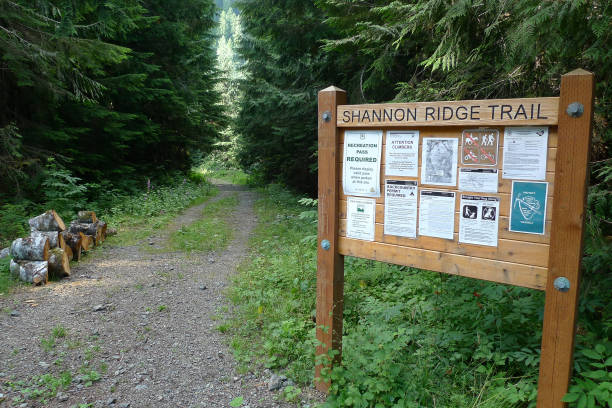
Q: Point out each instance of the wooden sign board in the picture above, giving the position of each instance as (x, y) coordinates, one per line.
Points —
(469, 137)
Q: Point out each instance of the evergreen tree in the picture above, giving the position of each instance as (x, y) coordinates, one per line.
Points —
(285, 68)
(113, 89)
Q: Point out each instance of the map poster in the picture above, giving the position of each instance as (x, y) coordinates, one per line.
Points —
(401, 208)
(479, 220)
(361, 217)
(361, 163)
(478, 180)
(402, 153)
(479, 147)
(439, 164)
(525, 153)
(528, 211)
(437, 214)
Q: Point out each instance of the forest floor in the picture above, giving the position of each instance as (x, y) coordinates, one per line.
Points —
(134, 326)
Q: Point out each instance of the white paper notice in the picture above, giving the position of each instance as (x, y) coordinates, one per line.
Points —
(402, 153)
(439, 164)
(401, 208)
(478, 180)
(479, 220)
(360, 214)
(525, 153)
(361, 163)
(437, 214)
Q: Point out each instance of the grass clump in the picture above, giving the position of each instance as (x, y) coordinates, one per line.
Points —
(211, 232)
(141, 215)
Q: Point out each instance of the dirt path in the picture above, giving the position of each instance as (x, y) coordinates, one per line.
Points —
(144, 321)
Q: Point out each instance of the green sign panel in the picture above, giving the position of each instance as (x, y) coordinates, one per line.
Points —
(528, 212)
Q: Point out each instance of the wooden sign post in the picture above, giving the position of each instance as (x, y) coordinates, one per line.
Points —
(545, 260)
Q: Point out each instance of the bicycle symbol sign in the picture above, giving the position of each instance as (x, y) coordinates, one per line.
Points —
(479, 147)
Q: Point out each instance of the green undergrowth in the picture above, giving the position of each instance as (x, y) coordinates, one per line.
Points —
(211, 232)
(412, 338)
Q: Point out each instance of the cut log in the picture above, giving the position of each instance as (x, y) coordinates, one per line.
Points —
(48, 221)
(74, 242)
(87, 217)
(94, 230)
(69, 253)
(31, 248)
(35, 272)
(59, 264)
(111, 231)
(88, 242)
(56, 240)
(102, 227)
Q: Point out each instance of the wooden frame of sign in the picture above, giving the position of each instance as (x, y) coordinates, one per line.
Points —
(528, 260)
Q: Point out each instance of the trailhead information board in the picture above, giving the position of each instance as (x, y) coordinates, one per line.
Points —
(487, 189)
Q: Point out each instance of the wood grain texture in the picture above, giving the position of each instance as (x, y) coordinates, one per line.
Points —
(330, 264)
(462, 265)
(491, 112)
(526, 253)
(566, 239)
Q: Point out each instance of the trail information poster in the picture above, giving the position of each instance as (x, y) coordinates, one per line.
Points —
(402, 153)
(361, 163)
(360, 214)
(437, 214)
(401, 208)
(528, 212)
(479, 147)
(525, 153)
(478, 180)
(439, 164)
(479, 220)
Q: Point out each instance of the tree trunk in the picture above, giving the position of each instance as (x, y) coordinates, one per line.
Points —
(74, 242)
(88, 217)
(31, 249)
(48, 221)
(59, 264)
(94, 230)
(56, 240)
(36, 272)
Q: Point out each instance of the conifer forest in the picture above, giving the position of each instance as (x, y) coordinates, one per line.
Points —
(104, 101)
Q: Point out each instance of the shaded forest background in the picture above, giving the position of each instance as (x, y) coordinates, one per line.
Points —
(102, 99)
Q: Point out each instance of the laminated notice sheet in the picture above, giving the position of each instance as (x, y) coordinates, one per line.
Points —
(478, 180)
(437, 214)
(525, 153)
(528, 211)
(361, 163)
(402, 153)
(439, 165)
(361, 216)
(479, 220)
(401, 208)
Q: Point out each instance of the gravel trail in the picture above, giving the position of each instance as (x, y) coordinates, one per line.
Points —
(144, 320)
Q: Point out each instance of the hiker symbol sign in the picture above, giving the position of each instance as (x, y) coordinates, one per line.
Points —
(479, 147)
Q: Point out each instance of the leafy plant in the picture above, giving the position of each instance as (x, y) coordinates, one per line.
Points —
(593, 385)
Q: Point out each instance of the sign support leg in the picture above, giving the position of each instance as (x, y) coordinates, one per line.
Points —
(330, 264)
(571, 181)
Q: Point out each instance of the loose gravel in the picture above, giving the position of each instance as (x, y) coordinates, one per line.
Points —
(144, 319)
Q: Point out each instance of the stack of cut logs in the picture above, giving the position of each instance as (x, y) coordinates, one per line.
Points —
(48, 250)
